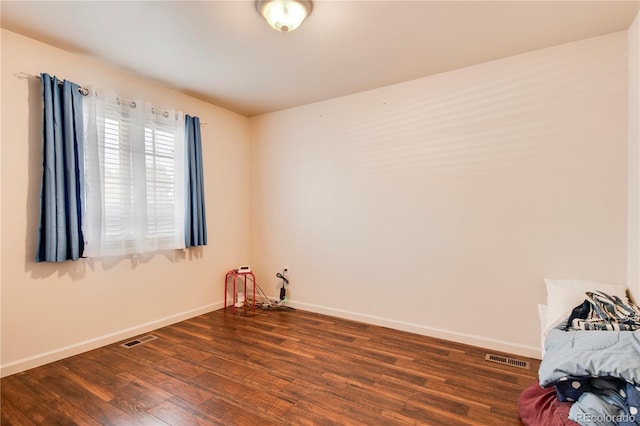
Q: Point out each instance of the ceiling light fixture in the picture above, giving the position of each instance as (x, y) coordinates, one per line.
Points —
(284, 15)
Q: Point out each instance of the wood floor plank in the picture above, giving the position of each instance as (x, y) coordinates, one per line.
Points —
(273, 368)
(11, 415)
(102, 411)
(24, 390)
(61, 412)
(183, 414)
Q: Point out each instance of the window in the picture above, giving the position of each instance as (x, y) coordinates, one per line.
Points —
(117, 191)
(161, 181)
(135, 178)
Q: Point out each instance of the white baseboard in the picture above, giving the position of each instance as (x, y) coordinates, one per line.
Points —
(107, 339)
(75, 349)
(483, 342)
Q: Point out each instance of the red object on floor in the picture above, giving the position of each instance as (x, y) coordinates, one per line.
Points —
(235, 274)
(540, 407)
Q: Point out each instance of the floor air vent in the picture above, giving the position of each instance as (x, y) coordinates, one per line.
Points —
(508, 361)
(139, 341)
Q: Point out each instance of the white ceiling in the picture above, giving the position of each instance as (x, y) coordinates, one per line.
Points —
(224, 53)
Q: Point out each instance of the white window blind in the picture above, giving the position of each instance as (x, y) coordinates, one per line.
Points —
(135, 182)
(160, 180)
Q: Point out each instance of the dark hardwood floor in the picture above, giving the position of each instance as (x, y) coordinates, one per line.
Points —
(295, 368)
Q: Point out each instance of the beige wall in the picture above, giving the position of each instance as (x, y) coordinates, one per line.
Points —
(405, 206)
(633, 256)
(53, 310)
(439, 205)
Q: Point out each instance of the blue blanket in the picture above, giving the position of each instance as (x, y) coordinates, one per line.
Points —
(600, 370)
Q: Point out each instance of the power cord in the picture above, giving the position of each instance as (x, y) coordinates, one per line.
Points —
(271, 305)
(283, 278)
(285, 283)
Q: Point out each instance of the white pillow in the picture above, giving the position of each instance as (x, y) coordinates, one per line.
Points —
(542, 314)
(564, 295)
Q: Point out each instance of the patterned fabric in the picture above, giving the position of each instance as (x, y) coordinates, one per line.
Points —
(570, 389)
(601, 401)
(599, 373)
(601, 311)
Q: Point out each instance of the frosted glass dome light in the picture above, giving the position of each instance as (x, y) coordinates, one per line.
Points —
(284, 15)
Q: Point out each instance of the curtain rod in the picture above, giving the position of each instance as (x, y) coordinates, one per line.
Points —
(132, 104)
(85, 92)
(23, 75)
